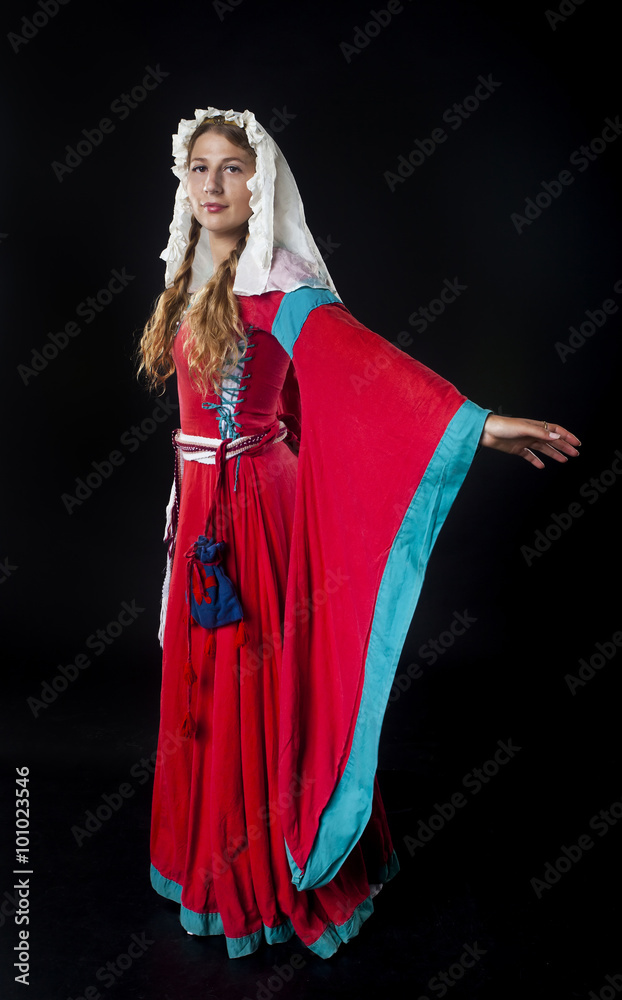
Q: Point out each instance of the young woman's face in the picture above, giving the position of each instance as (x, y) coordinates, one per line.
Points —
(217, 187)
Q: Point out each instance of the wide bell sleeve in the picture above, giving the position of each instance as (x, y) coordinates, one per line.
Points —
(385, 445)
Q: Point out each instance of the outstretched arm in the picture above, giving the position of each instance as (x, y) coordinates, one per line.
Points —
(524, 437)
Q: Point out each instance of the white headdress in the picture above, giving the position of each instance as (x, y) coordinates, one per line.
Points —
(280, 254)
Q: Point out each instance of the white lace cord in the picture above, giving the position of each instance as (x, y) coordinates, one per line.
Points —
(168, 529)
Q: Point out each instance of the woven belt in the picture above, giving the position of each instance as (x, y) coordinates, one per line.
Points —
(203, 449)
(207, 451)
(213, 451)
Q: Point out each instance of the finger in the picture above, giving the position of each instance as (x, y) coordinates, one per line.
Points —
(565, 434)
(557, 432)
(553, 453)
(548, 449)
(532, 459)
(558, 443)
(561, 447)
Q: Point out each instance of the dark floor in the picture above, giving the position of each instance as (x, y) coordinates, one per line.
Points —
(464, 894)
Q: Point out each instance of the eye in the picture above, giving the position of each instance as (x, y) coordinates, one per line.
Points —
(198, 168)
(232, 166)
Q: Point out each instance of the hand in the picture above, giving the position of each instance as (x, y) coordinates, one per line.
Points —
(523, 437)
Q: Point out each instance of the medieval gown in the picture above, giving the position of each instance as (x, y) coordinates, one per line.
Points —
(267, 821)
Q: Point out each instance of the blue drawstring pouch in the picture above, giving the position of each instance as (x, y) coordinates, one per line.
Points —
(213, 600)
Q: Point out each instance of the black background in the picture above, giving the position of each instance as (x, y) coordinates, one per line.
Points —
(343, 117)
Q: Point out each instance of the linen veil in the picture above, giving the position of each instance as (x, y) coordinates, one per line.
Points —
(280, 254)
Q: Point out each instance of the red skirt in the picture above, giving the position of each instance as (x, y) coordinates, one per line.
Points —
(217, 845)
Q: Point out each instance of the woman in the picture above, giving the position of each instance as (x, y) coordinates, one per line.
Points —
(267, 819)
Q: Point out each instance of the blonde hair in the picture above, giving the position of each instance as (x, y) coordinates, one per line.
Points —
(214, 317)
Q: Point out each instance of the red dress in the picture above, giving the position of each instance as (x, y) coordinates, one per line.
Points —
(217, 841)
(267, 821)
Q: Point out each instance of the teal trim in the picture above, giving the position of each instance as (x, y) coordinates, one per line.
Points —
(337, 934)
(349, 808)
(279, 935)
(204, 924)
(201, 923)
(391, 869)
(386, 872)
(297, 873)
(239, 947)
(211, 923)
(165, 886)
(293, 312)
(383, 874)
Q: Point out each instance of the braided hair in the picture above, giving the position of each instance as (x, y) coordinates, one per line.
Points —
(212, 345)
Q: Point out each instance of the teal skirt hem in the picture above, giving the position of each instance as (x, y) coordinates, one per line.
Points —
(334, 935)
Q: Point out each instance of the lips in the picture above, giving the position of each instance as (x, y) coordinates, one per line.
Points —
(213, 206)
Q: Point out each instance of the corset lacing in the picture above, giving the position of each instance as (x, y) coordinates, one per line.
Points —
(232, 389)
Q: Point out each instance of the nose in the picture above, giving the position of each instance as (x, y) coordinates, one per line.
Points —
(210, 183)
